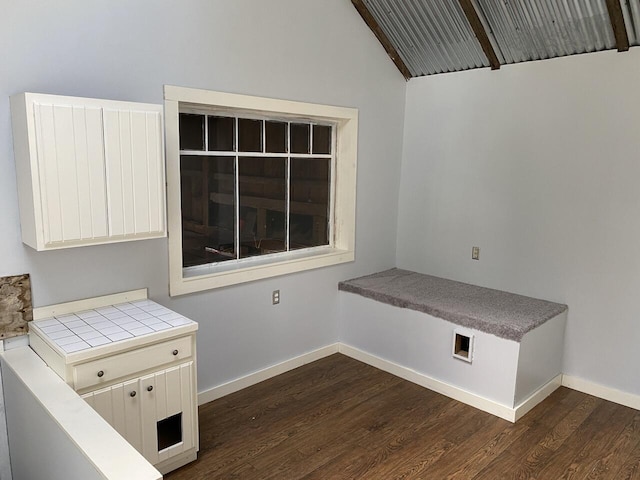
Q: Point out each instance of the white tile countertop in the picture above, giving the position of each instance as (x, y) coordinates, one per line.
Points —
(74, 332)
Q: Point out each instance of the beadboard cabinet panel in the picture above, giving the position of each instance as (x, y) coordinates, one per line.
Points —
(134, 408)
(71, 170)
(166, 399)
(91, 179)
(89, 171)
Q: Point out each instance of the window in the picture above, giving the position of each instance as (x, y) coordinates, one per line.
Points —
(257, 187)
(252, 186)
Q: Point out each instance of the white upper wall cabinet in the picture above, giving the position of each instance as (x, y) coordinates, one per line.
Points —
(89, 171)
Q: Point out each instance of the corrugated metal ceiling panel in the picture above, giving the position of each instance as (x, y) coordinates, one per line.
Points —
(431, 36)
(434, 36)
(632, 20)
(539, 29)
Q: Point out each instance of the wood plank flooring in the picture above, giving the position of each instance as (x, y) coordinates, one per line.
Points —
(338, 418)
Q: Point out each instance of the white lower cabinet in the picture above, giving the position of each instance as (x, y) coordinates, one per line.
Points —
(143, 385)
(154, 413)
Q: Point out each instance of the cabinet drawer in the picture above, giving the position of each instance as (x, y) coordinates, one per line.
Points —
(113, 367)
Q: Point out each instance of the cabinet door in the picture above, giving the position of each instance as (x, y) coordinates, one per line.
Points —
(120, 409)
(168, 412)
(159, 419)
(102, 402)
(134, 169)
(69, 141)
(129, 396)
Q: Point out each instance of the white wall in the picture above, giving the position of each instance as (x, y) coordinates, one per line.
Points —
(538, 165)
(54, 434)
(32, 430)
(305, 50)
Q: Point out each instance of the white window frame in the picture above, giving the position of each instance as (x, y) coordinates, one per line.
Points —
(341, 247)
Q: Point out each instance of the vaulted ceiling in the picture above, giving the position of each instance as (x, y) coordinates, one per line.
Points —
(426, 37)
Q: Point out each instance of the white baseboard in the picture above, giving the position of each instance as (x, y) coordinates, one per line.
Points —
(503, 411)
(601, 391)
(264, 374)
(438, 386)
(537, 396)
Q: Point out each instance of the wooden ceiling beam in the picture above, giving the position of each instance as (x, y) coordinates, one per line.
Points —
(480, 32)
(617, 23)
(382, 37)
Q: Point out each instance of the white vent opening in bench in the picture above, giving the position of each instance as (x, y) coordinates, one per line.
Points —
(463, 345)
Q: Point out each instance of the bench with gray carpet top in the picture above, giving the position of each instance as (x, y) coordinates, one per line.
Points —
(511, 344)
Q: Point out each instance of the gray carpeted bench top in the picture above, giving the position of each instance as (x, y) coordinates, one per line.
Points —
(503, 314)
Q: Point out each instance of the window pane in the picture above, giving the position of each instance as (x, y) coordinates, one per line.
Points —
(222, 133)
(208, 213)
(249, 135)
(191, 131)
(310, 190)
(262, 205)
(322, 139)
(300, 138)
(276, 133)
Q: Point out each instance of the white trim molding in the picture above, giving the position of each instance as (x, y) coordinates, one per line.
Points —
(537, 397)
(601, 391)
(506, 412)
(264, 374)
(341, 248)
(438, 386)
(512, 414)
(481, 403)
(89, 303)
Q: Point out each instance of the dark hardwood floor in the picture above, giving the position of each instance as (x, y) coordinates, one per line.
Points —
(338, 418)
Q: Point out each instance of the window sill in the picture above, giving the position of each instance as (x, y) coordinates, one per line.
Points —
(185, 285)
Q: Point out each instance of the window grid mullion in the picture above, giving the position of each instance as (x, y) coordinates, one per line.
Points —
(206, 133)
(287, 245)
(237, 193)
(222, 153)
(332, 187)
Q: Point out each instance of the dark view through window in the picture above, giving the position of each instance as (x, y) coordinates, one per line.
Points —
(252, 187)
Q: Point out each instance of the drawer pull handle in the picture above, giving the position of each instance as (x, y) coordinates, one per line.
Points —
(132, 394)
(149, 388)
(101, 373)
(175, 352)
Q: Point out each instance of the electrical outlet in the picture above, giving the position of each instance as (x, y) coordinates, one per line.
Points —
(275, 297)
(475, 253)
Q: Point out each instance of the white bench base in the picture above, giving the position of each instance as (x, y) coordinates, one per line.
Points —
(506, 378)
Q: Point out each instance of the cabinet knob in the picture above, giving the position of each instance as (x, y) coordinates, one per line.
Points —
(149, 388)
(132, 394)
(101, 373)
(175, 352)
